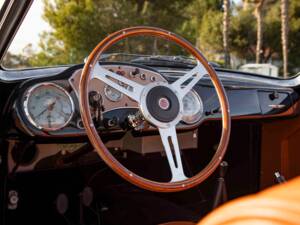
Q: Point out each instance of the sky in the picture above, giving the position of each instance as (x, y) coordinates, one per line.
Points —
(32, 26)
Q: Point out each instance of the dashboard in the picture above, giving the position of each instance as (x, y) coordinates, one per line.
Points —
(49, 106)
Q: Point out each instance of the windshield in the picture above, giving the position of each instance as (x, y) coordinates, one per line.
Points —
(59, 32)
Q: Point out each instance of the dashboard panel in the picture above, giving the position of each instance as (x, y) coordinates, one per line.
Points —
(247, 101)
(139, 75)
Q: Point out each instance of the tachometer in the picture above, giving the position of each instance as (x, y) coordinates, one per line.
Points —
(192, 108)
(48, 106)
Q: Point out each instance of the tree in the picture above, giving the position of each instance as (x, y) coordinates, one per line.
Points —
(284, 35)
(243, 31)
(12, 60)
(259, 6)
(210, 38)
(273, 23)
(78, 25)
(258, 12)
(226, 5)
(194, 14)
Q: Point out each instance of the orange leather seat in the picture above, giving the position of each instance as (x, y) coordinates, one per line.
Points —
(279, 205)
(178, 223)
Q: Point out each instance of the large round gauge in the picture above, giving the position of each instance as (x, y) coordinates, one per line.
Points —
(48, 106)
(112, 94)
(192, 107)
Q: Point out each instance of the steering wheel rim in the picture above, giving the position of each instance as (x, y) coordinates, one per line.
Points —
(178, 184)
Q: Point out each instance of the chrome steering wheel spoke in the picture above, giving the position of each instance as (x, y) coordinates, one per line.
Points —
(170, 142)
(192, 77)
(139, 92)
(130, 88)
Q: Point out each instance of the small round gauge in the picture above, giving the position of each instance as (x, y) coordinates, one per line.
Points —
(192, 107)
(112, 94)
(48, 106)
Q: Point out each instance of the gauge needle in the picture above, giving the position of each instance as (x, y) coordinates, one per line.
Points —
(49, 107)
(49, 119)
(41, 113)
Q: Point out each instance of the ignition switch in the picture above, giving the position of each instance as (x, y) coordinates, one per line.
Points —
(96, 103)
(136, 121)
(274, 95)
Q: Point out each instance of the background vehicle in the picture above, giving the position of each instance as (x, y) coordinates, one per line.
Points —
(265, 69)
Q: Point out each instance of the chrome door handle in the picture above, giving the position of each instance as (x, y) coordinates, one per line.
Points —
(279, 106)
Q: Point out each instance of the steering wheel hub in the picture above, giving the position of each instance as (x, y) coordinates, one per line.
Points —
(162, 104)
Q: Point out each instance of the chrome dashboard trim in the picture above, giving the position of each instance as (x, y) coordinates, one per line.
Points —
(19, 75)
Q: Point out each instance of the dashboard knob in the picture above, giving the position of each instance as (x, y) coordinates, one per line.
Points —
(135, 72)
(274, 95)
(79, 124)
(111, 122)
(95, 99)
(143, 76)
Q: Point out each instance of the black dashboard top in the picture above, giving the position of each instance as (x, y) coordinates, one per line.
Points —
(250, 97)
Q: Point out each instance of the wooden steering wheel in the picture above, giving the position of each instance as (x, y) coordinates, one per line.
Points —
(153, 99)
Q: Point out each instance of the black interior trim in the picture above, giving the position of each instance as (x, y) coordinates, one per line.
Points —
(12, 15)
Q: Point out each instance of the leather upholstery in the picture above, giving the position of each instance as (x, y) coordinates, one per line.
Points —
(279, 205)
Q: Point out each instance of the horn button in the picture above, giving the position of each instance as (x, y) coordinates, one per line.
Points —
(162, 104)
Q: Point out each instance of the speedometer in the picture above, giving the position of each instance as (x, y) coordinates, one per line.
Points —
(48, 106)
(192, 107)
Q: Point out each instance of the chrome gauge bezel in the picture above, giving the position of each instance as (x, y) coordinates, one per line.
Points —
(196, 117)
(29, 93)
(109, 97)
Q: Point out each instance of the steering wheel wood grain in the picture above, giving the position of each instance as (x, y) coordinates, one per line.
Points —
(162, 110)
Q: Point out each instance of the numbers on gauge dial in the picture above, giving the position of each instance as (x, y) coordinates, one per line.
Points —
(49, 107)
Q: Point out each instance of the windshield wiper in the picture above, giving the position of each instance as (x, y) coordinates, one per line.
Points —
(153, 60)
(160, 60)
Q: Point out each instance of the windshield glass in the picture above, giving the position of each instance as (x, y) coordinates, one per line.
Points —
(58, 32)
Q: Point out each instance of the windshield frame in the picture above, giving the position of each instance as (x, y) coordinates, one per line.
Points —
(12, 14)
